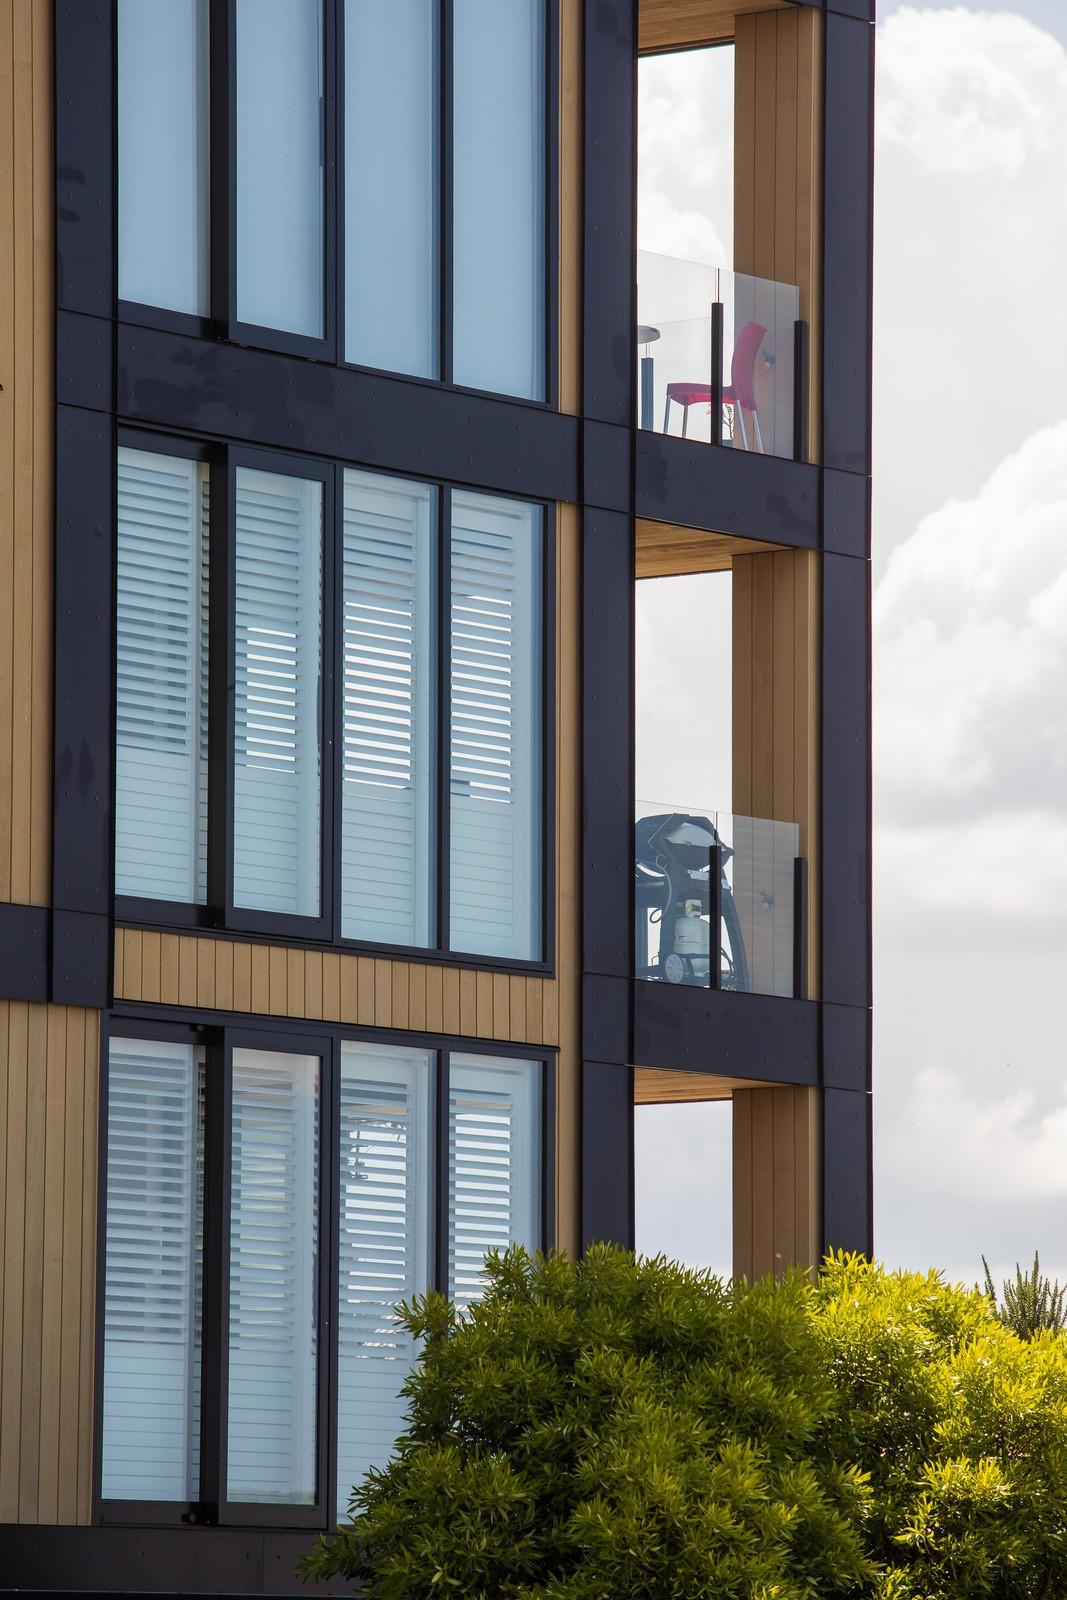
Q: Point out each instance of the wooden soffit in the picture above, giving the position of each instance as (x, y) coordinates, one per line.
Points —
(656, 1087)
(686, 24)
(664, 550)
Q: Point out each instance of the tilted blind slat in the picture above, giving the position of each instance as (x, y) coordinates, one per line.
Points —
(161, 678)
(384, 1244)
(153, 1271)
(494, 865)
(388, 643)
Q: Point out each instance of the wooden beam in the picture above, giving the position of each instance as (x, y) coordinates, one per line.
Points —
(665, 550)
(664, 25)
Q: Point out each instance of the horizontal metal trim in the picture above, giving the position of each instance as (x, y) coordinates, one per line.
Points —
(730, 1035)
(726, 491)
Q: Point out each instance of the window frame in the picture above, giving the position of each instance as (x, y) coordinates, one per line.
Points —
(219, 913)
(221, 321)
(220, 1036)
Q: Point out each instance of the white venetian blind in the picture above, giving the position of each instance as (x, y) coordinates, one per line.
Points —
(273, 1247)
(494, 1180)
(384, 1238)
(161, 678)
(388, 641)
(277, 728)
(495, 866)
(153, 1271)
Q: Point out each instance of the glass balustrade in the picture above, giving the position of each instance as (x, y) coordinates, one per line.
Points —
(697, 871)
(719, 356)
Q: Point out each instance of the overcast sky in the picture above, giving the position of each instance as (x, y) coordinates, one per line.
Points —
(970, 642)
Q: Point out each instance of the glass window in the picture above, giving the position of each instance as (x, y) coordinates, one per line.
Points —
(273, 1343)
(494, 1174)
(385, 1231)
(280, 195)
(391, 185)
(498, 332)
(174, 1331)
(277, 721)
(153, 1272)
(495, 865)
(163, 153)
(161, 765)
(389, 686)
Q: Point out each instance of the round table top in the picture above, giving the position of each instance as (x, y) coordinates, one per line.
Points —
(646, 334)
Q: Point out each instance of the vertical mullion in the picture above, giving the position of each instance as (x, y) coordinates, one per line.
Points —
(547, 1173)
(548, 830)
(327, 709)
(222, 77)
(335, 155)
(328, 1273)
(442, 1165)
(335, 708)
(446, 187)
(214, 1398)
(328, 132)
(220, 692)
(444, 718)
(550, 206)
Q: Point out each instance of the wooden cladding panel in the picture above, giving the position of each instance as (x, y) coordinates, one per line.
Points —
(682, 24)
(656, 1086)
(570, 206)
(49, 1082)
(665, 550)
(26, 451)
(776, 1180)
(778, 159)
(215, 974)
(775, 684)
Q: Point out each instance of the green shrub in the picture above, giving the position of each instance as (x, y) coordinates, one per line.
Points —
(613, 1429)
(609, 1429)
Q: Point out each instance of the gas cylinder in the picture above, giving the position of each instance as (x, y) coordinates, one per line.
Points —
(692, 939)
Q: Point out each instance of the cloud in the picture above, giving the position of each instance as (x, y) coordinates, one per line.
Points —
(970, 200)
(970, 718)
(948, 1140)
(968, 93)
(685, 181)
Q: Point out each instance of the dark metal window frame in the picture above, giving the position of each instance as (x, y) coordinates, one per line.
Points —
(220, 913)
(222, 320)
(220, 1036)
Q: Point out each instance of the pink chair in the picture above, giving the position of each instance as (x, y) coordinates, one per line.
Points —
(740, 392)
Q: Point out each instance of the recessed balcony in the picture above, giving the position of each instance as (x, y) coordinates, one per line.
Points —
(722, 356)
(719, 901)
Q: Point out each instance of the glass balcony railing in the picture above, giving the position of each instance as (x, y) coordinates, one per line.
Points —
(697, 871)
(722, 357)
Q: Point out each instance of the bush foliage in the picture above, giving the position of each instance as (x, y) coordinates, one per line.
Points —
(613, 1429)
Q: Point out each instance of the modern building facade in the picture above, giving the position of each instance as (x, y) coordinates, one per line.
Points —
(333, 445)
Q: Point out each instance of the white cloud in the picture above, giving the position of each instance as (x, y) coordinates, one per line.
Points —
(971, 643)
(948, 1140)
(971, 234)
(685, 177)
(968, 93)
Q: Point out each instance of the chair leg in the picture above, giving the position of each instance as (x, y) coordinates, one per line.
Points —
(759, 436)
(685, 419)
(667, 415)
(739, 413)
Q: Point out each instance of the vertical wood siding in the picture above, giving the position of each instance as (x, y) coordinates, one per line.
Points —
(26, 246)
(776, 1179)
(570, 205)
(777, 160)
(49, 1082)
(775, 700)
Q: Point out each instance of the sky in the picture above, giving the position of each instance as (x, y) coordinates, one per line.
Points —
(970, 640)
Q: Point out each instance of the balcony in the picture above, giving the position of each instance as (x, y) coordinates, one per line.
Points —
(696, 871)
(722, 357)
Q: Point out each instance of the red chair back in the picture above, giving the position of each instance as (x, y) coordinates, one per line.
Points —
(743, 366)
